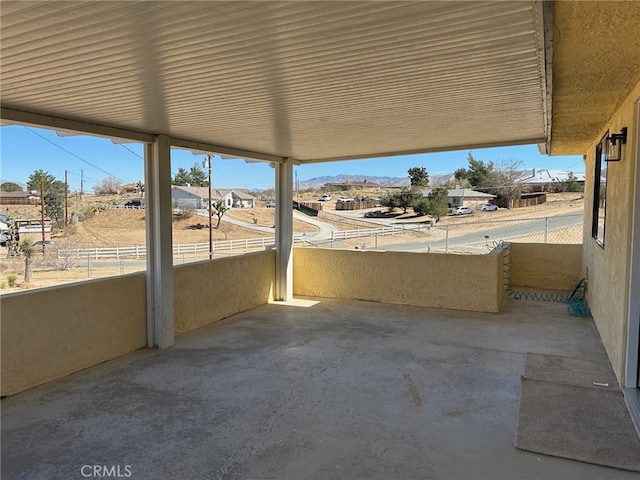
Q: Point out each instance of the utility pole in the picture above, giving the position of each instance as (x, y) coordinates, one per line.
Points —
(42, 213)
(207, 162)
(66, 199)
(81, 183)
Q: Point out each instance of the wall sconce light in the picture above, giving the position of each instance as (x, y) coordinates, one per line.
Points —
(614, 145)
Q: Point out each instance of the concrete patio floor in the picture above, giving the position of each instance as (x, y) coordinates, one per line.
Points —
(311, 389)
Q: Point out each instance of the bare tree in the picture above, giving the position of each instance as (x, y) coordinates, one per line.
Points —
(64, 256)
(503, 183)
(226, 228)
(108, 186)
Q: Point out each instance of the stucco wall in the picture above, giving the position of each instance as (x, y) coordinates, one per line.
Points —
(608, 267)
(208, 291)
(462, 282)
(546, 265)
(52, 332)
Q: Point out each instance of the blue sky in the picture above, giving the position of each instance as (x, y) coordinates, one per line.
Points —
(25, 149)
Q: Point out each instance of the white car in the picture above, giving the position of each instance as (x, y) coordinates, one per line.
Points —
(325, 198)
(489, 207)
(461, 211)
(345, 199)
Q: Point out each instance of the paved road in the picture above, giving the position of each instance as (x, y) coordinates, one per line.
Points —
(324, 233)
(496, 231)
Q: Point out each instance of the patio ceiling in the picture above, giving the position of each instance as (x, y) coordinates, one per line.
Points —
(312, 81)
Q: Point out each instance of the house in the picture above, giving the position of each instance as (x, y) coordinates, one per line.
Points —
(544, 179)
(132, 188)
(19, 198)
(464, 197)
(198, 197)
(435, 76)
(242, 198)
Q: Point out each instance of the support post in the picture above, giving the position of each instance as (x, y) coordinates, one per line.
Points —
(284, 231)
(160, 321)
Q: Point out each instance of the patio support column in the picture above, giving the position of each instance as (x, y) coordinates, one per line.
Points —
(284, 231)
(157, 164)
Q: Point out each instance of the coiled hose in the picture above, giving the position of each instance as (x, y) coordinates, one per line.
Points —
(577, 305)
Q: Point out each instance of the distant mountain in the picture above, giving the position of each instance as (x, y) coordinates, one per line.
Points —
(319, 182)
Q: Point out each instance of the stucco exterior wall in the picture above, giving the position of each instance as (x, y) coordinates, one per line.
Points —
(208, 291)
(462, 282)
(52, 332)
(608, 267)
(546, 265)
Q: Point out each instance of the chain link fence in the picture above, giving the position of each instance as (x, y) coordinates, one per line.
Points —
(470, 237)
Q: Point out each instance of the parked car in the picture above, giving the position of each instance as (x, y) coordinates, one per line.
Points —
(270, 204)
(4, 238)
(345, 199)
(461, 211)
(489, 207)
(47, 243)
(325, 198)
(133, 204)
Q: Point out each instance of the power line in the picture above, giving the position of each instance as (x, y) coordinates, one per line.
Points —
(134, 153)
(74, 155)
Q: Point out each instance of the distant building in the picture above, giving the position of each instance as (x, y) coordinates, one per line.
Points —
(132, 188)
(544, 179)
(19, 198)
(198, 197)
(464, 197)
(32, 229)
(349, 185)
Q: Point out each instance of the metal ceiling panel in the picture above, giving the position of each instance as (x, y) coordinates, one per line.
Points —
(307, 80)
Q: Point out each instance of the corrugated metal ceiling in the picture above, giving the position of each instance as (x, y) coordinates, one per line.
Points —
(308, 80)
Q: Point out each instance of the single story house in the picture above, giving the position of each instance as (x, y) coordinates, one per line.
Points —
(464, 197)
(199, 196)
(242, 198)
(132, 188)
(544, 178)
(19, 198)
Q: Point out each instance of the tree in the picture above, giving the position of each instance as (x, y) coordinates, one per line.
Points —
(34, 181)
(435, 204)
(10, 187)
(502, 182)
(54, 201)
(390, 201)
(477, 172)
(27, 249)
(198, 176)
(571, 184)
(219, 208)
(407, 197)
(195, 177)
(181, 178)
(418, 176)
(108, 186)
(438, 202)
(54, 193)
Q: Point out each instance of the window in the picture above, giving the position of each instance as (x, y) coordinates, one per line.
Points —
(599, 193)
